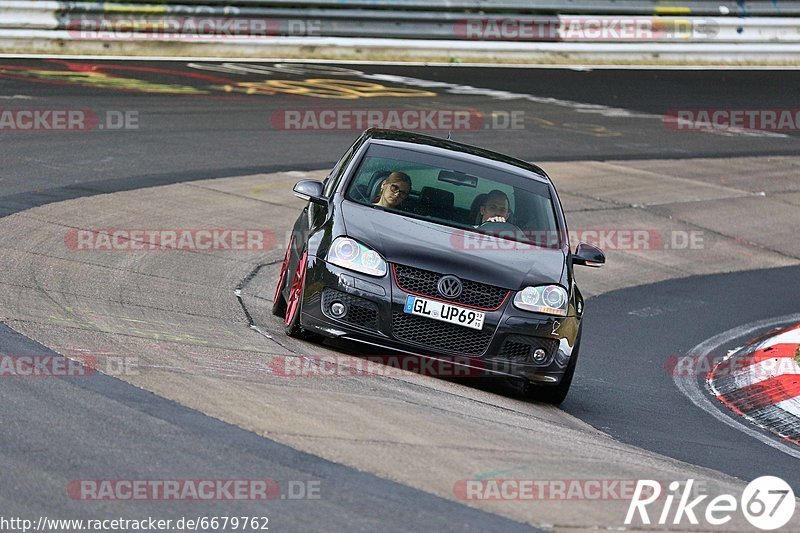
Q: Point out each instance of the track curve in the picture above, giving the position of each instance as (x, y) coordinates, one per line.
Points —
(565, 120)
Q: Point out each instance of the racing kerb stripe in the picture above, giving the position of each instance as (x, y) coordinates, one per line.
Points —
(747, 370)
(762, 383)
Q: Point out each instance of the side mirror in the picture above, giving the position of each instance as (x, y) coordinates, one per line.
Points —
(311, 191)
(588, 255)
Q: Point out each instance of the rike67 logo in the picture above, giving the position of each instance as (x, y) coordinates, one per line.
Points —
(767, 503)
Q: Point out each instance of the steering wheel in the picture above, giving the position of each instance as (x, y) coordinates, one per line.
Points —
(496, 227)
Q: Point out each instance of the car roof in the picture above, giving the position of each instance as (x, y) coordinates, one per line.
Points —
(435, 145)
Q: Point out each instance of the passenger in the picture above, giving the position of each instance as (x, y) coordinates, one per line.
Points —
(394, 189)
(495, 207)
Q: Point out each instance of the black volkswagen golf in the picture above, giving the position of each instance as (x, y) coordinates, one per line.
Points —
(438, 249)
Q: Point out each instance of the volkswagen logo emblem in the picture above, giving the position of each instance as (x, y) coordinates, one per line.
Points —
(450, 287)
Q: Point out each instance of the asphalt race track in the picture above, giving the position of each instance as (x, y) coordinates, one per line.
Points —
(214, 133)
(206, 120)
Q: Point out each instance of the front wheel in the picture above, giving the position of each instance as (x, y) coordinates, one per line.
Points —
(556, 394)
(295, 302)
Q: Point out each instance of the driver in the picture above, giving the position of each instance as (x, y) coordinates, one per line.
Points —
(495, 207)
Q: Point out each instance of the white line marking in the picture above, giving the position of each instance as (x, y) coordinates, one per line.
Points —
(691, 390)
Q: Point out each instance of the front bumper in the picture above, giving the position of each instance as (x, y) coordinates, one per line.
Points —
(375, 317)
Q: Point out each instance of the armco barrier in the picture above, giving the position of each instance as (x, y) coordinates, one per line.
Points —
(749, 30)
(735, 8)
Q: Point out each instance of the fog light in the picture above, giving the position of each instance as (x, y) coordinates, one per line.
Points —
(338, 309)
(539, 355)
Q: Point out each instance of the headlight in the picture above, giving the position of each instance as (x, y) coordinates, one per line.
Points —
(351, 254)
(550, 299)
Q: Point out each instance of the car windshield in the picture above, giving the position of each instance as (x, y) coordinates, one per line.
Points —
(456, 193)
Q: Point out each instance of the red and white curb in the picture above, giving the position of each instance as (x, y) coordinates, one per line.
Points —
(761, 382)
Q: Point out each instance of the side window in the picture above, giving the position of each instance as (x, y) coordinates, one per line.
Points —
(536, 215)
(336, 174)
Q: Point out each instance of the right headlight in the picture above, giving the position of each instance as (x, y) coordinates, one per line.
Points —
(351, 254)
(549, 299)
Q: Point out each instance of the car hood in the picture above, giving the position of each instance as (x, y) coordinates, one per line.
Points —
(466, 254)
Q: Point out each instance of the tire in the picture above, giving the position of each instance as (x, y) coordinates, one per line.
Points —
(295, 302)
(556, 394)
(279, 302)
(294, 305)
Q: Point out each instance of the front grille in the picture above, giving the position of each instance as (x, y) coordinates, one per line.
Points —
(438, 335)
(520, 348)
(360, 312)
(480, 295)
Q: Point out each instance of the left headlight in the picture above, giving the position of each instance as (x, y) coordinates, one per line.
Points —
(549, 299)
(351, 254)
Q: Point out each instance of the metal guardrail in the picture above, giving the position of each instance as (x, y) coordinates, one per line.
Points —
(109, 18)
(468, 25)
(735, 8)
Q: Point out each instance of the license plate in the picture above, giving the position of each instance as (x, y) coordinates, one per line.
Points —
(453, 314)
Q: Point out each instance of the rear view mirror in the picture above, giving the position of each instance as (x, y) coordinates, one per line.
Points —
(588, 255)
(458, 178)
